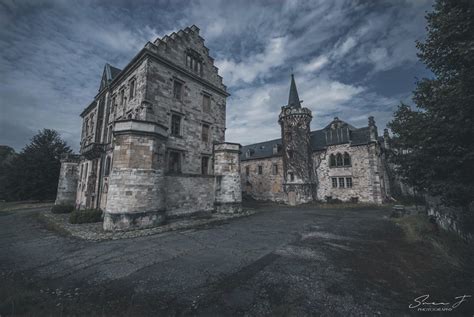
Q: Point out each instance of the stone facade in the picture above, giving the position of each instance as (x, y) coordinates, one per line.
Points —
(68, 176)
(339, 162)
(153, 136)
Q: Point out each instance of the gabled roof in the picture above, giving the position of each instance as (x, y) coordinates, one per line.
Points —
(336, 132)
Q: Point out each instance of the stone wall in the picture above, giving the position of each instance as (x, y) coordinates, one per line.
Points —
(227, 176)
(360, 172)
(180, 200)
(265, 186)
(67, 184)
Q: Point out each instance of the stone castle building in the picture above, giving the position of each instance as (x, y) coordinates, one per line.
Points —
(152, 143)
(153, 146)
(338, 162)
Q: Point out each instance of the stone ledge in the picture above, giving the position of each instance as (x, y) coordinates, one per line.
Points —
(95, 232)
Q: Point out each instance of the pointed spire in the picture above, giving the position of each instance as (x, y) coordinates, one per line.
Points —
(293, 100)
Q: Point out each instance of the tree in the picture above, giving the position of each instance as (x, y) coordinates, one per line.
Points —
(35, 171)
(7, 156)
(435, 143)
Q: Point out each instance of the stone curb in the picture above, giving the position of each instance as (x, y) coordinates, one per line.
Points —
(94, 231)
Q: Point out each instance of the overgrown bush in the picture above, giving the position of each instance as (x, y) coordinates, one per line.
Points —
(62, 209)
(85, 216)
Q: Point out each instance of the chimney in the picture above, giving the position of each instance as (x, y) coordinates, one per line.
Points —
(372, 130)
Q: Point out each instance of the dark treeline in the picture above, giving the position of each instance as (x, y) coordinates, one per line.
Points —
(33, 173)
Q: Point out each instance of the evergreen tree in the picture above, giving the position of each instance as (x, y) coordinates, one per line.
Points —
(7, 155)
(435, 143)
(35, 171)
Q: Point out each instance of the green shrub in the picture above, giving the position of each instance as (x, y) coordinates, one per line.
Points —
(85, 216)
(62, 209)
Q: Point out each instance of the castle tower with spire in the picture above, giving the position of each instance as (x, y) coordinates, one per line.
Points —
(299, 181)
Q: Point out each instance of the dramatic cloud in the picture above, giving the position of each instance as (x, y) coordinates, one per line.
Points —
(351, 59)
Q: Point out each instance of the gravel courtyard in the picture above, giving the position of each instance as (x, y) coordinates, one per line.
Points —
(281, 261)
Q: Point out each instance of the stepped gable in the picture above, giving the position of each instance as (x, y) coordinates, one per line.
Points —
(177, 45)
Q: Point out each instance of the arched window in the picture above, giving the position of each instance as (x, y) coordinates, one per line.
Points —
(107, 166)
(347, 159)
(332, 160)
(338, 159)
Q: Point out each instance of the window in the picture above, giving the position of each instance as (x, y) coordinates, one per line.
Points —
(205, 133)
(338, 159)
(80, 175)
(334, 182)
(349, 182)
(109, 135)
(275, 169)
(177, 89)
(292, 177)
(332, 160)
(204, 165)
(247, 170)
(260, 170)
(176, 125)
(194, 61)
(347, 159)
(112, 109)
(174, 162)
(107, 166)
(341, 182)
(132, 88)
(122, 96)
(206, 103)
(290, 154)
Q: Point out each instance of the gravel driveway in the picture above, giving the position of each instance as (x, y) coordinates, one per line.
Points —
(281, 261)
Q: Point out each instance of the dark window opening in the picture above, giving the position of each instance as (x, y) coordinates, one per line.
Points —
(107, 166)
(332, 160)
(247, 170)
(177, 90)
(204, 165)
(292, 177)
(348, 182)
(132, 89)
(341, 182)
(174, 162)
(206, 103)
(334, 182)
(175, 125)
(205, 133)
(347, 159)
(260, 169)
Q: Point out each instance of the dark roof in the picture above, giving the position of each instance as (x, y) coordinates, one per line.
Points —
(293, 99)
(108, 75)
(337, 132)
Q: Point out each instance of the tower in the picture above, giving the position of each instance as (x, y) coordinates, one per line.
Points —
(298, 175)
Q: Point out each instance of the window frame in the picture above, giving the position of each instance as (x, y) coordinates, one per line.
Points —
(132, 90)
(177, 82)
(274, 169)
(180, 125)
(260, 170)
(205, 137)
(341, 182)
(205, 170)
(349, 183)
(206, 107)
(179, 162)
(334, 182)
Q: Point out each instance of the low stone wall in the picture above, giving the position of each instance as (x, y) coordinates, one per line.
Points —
(187, 194)
(452, 219)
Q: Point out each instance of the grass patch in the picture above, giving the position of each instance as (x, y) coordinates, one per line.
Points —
(62, 209)
(419, 228)
(85, 216)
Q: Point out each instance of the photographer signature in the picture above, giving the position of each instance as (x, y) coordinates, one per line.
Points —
(423, 301)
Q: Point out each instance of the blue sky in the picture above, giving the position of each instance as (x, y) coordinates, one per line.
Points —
(351, 59)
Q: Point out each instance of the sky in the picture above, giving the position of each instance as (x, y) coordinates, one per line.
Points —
(351, 59)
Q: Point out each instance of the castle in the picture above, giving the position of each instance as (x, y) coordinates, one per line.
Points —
(153, 146)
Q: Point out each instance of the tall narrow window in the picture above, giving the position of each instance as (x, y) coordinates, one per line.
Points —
(206, 103)
(132, 88)
(275, 169)
(292, 177)
(176, 125)
(205, 133)
(109, 135)
(122, 97)
(107, 166)
(349, 182)
(260, 170)
(174, 162)
(204, 165)
(341, 182)
(339, 159)
(334, 182)
(347, 159)
(247, 170)
(332, 160)
(177, 89)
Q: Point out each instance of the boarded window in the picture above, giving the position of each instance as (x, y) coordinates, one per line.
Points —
(176, 125)
(206, 103)
(334, 182)
(341, 182)
(349, 182)
(205, 133)
(275, 169)
(174, 162)
(177, 90)
(204, 165)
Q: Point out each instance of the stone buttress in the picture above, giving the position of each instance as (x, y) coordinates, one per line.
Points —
(298, 179)
(136, 185)
(227, 177)
(68, 177)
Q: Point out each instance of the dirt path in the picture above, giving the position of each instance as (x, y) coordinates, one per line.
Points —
(281, 261)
